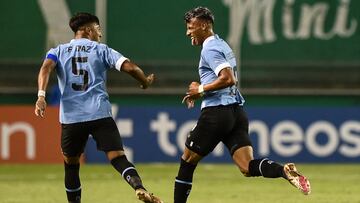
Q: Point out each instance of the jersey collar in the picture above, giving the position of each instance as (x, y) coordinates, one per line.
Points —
(209, 38)
(78, 39)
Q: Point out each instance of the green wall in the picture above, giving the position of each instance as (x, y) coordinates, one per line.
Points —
(152, 34)
(154, 30)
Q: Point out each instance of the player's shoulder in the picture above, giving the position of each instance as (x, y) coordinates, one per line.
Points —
(56, 49)
(104, 47)
(215, 45)
(211, 46)
(101, 45)
(60, 46)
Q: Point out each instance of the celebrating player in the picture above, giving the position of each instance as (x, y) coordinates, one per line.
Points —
(85, 109)
(222, 117)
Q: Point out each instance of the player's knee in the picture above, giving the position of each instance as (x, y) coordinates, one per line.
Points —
(192, 158)
(72, 160)
(113, 154)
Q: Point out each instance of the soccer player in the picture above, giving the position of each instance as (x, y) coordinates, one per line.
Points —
(85, 109)
(222, 117)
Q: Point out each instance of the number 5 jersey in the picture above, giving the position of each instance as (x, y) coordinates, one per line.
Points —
(81, 67)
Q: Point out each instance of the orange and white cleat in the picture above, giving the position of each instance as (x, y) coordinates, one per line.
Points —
(147, 197)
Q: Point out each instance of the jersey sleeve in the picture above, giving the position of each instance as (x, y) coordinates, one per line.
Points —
(114, 59)
(53, 54)
(215, 59)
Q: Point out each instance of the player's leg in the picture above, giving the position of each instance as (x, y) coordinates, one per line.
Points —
(130, 175)
(269, 169)
(125, 168)
(207, 133)
(72, 179)
(73, 140)
(239, 144)
(184, 178)
(107, 137)
(243, 158)
(240, 147)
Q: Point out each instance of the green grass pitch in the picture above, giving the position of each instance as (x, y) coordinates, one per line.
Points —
(213, 183)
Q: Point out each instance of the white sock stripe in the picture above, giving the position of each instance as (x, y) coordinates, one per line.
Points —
(260, 165)
(129, 168)
(73, 190)
(183, 182)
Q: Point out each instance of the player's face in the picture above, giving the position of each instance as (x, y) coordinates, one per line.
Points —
(196, 30)
(95, 32)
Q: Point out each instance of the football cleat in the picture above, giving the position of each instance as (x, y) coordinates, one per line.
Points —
(296, 179)
(147, 197)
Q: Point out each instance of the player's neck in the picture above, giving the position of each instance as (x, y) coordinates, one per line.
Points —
(81, 35)
(209, 33)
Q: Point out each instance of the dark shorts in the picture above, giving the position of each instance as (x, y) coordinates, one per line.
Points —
(104, 131)
(228, 124)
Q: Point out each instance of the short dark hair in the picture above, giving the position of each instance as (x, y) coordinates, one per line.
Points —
(200, 13)
(80, 19)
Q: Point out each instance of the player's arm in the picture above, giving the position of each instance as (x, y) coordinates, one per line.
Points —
(225, 79)
(136, 72)
(43, 80)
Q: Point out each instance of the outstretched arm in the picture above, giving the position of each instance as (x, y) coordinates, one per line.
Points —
(43, 80)
(136, 72)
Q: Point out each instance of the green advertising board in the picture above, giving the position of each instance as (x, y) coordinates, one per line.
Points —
(278, 43)
(271, 30)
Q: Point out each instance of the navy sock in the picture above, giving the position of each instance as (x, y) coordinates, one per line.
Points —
(72, 182)
(127, 171)
(266, 168)
(183, 182)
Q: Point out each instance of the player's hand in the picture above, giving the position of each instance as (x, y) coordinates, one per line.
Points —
(189, 102)
(40, 107)
(149, 80)
(192, 94)
(193, 91)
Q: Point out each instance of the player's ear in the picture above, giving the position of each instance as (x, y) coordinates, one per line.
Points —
(87, 29)
(204, 25)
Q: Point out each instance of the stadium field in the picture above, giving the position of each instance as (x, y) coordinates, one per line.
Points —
(213, 183)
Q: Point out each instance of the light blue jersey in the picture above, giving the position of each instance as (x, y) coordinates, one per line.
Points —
(81, 67)
(215, 56)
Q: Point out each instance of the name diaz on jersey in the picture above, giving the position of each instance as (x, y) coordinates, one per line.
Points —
(79, 48)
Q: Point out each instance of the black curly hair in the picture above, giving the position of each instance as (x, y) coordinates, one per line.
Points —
(80, 19)
(200, 13)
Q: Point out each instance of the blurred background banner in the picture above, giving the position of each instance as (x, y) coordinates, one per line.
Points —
(299, 68)
(305, 134)
(24, 138)
(158, 134)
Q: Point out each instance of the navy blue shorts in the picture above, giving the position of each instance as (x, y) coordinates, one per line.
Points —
(104, 131)
(228, 124)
